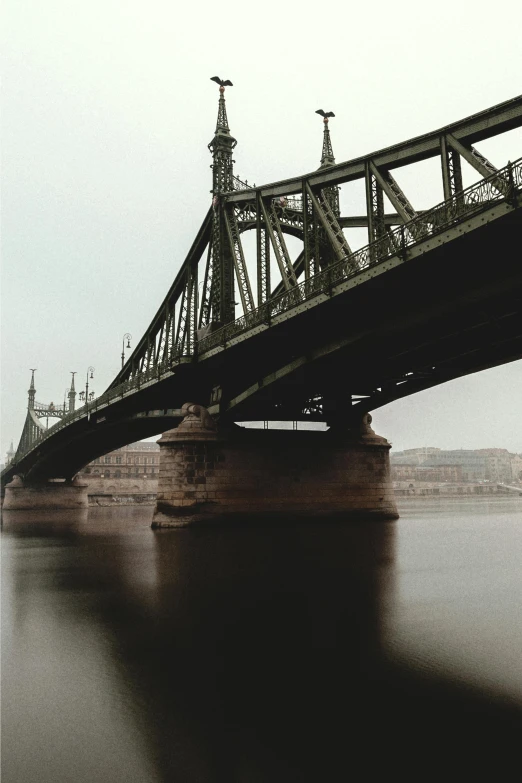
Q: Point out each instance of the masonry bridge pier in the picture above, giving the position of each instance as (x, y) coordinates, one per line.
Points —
(325, 336)
(210, 473)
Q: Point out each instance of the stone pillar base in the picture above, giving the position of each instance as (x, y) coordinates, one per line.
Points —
(206, 476)
(50, 496)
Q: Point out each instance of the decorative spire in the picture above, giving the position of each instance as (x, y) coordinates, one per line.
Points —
(222, 145)
(327, 158)
(72, 394)
(32, 392)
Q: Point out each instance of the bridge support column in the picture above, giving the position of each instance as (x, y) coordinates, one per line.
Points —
(210, 475)
(48, 496)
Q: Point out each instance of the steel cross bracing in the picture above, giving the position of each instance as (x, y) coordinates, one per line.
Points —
(263, 256)
(334, 232)
(275, 232)
(450, 213)
(302, 208)
(245, 290)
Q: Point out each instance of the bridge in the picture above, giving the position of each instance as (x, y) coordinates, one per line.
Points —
(328, 335)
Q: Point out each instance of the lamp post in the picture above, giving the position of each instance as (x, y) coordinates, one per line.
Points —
(85, 395)
(127, 337)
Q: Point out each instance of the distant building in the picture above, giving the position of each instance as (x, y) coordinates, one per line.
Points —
(129, 474)
(138, 460)
(498, 464)
(472, 463)
(413, 456)
(479, 465)
(438, 474)
(442, 473)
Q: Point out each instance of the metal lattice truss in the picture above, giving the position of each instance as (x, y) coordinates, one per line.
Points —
(51, 411)
(306, 208)
(34, 429)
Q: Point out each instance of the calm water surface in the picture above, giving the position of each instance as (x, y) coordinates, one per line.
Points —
(301, 652)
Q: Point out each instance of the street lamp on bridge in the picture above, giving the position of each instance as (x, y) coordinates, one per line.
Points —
(127, 337)
(84, 395)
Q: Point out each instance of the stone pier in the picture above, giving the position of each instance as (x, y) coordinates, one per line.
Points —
(208, 474)
(45, 496)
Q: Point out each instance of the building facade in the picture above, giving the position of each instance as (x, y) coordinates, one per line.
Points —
(129, 474)
(459, 465)
(138, 460)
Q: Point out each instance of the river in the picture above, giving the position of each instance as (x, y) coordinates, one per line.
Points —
(262, 653)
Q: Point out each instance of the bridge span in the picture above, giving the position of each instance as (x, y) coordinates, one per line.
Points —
(434, 295)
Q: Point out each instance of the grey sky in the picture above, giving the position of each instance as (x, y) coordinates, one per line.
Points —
(107, 113)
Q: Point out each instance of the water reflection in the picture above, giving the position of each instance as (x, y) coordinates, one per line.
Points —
(256, 653)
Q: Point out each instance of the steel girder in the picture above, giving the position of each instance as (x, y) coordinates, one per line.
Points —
(263, 256)
(281, 253)
(245, 290)
(478, 161)
(484, 125)
(374, 205)
(323, 210)
(451, 169)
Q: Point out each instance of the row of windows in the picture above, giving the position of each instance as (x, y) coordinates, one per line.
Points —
(118, 474)
(107, 460)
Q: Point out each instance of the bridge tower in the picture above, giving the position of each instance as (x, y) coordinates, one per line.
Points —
(32, 427)
(218, 306)
(32, 392)
(10, 454)
(327, 160)
(330, 198)
(45, 495)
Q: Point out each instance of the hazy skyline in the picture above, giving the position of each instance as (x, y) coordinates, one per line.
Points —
(107, 112)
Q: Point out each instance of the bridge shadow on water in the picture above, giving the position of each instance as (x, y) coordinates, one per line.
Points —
(246, 653)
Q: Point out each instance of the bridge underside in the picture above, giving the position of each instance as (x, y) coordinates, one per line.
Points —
(453, 311)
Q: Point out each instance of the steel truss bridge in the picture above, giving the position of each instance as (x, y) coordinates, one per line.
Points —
(434, 295)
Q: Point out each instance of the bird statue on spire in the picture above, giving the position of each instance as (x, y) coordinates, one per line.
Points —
(221, 82)
(325, 114)
(327, 158)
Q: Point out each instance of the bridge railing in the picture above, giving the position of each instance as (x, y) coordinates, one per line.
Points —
(464, 204)
(502, 184)
(516, 172)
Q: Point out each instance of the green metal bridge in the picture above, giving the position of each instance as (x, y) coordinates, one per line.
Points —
(330, 334)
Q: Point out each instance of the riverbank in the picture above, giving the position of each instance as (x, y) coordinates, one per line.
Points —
(402, 489)
(426, 489)
(122, 500)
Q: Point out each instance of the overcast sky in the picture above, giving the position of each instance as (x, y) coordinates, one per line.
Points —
(107, 113)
